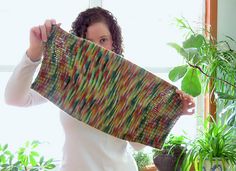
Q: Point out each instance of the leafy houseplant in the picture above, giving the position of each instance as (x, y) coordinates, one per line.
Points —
(210, 67)
(216, 144)
(170, 157)
(142, 159)
(207, 60)
(25, 159)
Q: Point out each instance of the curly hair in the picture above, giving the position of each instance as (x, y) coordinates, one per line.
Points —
(94, 15)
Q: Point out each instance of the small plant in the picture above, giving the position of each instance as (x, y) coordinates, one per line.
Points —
(174, 145)
(142, 159)
(25, 159)
(172, 153)
(216, 143)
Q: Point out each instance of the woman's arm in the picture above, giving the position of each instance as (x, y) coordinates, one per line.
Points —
(17, 91)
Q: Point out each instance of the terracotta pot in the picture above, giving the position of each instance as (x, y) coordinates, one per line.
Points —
(150, 168)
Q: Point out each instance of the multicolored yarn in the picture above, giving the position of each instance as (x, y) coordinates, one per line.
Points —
(106, 91)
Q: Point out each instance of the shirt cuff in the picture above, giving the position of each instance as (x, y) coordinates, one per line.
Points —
(29, 61)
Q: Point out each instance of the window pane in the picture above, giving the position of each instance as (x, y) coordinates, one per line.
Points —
(17, 17)
(17, 125)
(148, 26)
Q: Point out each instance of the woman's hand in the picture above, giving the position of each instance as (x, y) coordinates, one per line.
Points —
(38, 35)
(188, 103)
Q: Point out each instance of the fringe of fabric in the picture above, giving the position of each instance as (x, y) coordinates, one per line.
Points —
(106, 91)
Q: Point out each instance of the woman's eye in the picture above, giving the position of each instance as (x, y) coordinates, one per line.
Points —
(103, 40)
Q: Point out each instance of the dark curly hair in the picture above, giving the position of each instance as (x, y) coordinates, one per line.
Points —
(94, 15)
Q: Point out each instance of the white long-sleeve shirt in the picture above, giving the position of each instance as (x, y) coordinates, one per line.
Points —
(85, 148)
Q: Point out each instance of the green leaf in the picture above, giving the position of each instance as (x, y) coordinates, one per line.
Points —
(8, 153)
(17, 163)
(32, 160)
(5, 165)
(2, 159)
(195, 41)
(48, 162)
(14, 169)
(35, 144)
(225, 96)
(177, 72)
(231, 120)
(41, 160)
(179, 49)
(181, 23)
(50, 166)
(192, 55)
(34, 153)
(191, 83)
(5, 147)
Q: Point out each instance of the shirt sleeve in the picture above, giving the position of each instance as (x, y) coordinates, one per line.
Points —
(137, 146)
(17, 90)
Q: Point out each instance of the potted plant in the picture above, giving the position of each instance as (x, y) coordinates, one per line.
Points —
(25, 159)
(207, 60)
(210, 67)
(171, 156)
(214, 148)
(143, 161)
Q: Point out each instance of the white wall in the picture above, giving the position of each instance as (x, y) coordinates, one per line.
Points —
(226, 20)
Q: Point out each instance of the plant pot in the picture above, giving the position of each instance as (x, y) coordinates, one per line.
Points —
(166, 162)
(216, 166)
(151, 167)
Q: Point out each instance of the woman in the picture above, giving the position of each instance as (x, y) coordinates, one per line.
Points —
(85, 148)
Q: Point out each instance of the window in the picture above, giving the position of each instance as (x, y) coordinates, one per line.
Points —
(35, 123)
(147, 27)
(17, 125)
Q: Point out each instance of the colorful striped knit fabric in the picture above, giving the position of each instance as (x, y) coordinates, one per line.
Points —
(106, 91)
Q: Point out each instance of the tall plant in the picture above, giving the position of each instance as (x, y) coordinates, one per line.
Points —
(207, 59)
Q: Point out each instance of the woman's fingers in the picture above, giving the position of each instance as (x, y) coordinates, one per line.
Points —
(191, 105)
(190, 112)
(38, 35)
(43, 33)
(48, 24)
(36, 32)
(188, 103)
(188, 108)
(46, 29)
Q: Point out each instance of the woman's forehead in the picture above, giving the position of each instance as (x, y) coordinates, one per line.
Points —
(96, 30)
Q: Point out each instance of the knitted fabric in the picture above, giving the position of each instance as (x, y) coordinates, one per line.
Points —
(106, 91)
